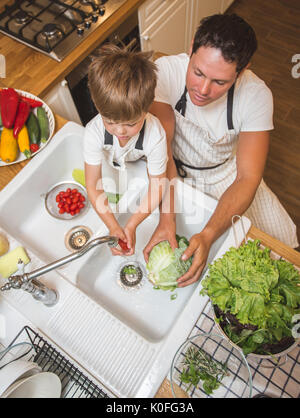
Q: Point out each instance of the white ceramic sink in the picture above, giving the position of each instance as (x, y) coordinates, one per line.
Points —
(23, 212)
(150, 312)
(97, 318)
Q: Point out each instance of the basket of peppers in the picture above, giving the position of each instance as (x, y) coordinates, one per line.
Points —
(26, 122)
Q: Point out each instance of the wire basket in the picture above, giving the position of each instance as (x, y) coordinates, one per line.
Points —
(75, 384)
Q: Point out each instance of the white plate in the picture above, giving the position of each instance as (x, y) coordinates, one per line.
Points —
(16, 370)
(51, 127)
(41, 385)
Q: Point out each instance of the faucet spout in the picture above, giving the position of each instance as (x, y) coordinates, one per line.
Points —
(21, 281)
(111, 241)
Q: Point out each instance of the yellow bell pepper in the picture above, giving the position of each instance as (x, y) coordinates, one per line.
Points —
(8, 146)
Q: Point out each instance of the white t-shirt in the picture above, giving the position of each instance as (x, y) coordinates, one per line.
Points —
(154, 145)
(252, 103)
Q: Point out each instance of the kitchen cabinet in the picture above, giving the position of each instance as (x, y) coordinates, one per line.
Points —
(168, 26)
(60, 101)
(226, 4)
(164, 25)
(203, 8)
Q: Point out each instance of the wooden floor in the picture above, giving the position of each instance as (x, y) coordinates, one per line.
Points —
(277, 27)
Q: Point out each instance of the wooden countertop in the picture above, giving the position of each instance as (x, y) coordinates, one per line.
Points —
(7, 173)
(32, 71)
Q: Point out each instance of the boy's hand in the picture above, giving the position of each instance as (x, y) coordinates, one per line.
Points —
(119, 233)
(130, 232)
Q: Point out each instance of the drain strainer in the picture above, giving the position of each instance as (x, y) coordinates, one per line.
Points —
(130, 275)
(77, 237)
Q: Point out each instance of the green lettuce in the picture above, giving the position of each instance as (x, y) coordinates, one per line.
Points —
(165, 265)
(257, 290)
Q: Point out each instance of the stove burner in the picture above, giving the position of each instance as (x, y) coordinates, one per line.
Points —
(53, 26)
(21, 17)
(51, 30)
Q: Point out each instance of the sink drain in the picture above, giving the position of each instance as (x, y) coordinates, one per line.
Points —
(130, 275)
(77, 237)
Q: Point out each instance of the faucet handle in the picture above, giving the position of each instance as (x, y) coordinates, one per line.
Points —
(15, 282)
(7, 286)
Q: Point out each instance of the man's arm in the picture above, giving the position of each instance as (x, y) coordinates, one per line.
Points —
(250, 159)
(150, 202)
(166, 229)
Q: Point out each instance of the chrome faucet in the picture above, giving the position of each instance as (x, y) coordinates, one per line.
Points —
(28, 282)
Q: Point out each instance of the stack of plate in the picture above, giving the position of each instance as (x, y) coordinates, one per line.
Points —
(24, 379)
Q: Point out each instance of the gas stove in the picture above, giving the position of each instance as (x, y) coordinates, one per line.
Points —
(55, 28)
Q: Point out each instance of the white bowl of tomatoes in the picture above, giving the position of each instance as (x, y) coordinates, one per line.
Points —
(66, 200)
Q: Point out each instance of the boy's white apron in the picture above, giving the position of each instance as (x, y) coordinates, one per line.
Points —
(114, 174)
(120, 163)
(194, 146)
(132, 154)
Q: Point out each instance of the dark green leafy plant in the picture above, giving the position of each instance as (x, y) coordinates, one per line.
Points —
(198, 365)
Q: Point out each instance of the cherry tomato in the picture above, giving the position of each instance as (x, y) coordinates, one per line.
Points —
(34, 148)
(71, 201)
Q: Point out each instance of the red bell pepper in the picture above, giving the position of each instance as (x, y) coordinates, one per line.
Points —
(32, 102)
(21, 117)
(9, 101)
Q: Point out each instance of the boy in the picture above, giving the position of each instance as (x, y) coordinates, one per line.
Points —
(122, 86)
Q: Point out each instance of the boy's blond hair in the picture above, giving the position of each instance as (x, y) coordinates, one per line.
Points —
(122, 83)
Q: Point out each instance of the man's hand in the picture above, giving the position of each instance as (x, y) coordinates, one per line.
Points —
(165, 231)
(199, 248)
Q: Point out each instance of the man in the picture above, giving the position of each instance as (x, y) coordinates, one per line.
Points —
(217, 115)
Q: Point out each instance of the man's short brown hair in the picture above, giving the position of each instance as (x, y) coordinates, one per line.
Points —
(122, 83)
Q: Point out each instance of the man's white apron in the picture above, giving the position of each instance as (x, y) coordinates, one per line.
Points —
(193, 146)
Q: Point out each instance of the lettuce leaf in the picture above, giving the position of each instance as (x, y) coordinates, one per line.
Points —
(165, 265)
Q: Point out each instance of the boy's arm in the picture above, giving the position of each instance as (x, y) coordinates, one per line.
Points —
(98, 198)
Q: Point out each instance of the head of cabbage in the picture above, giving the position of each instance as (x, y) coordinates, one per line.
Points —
(165, 265)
